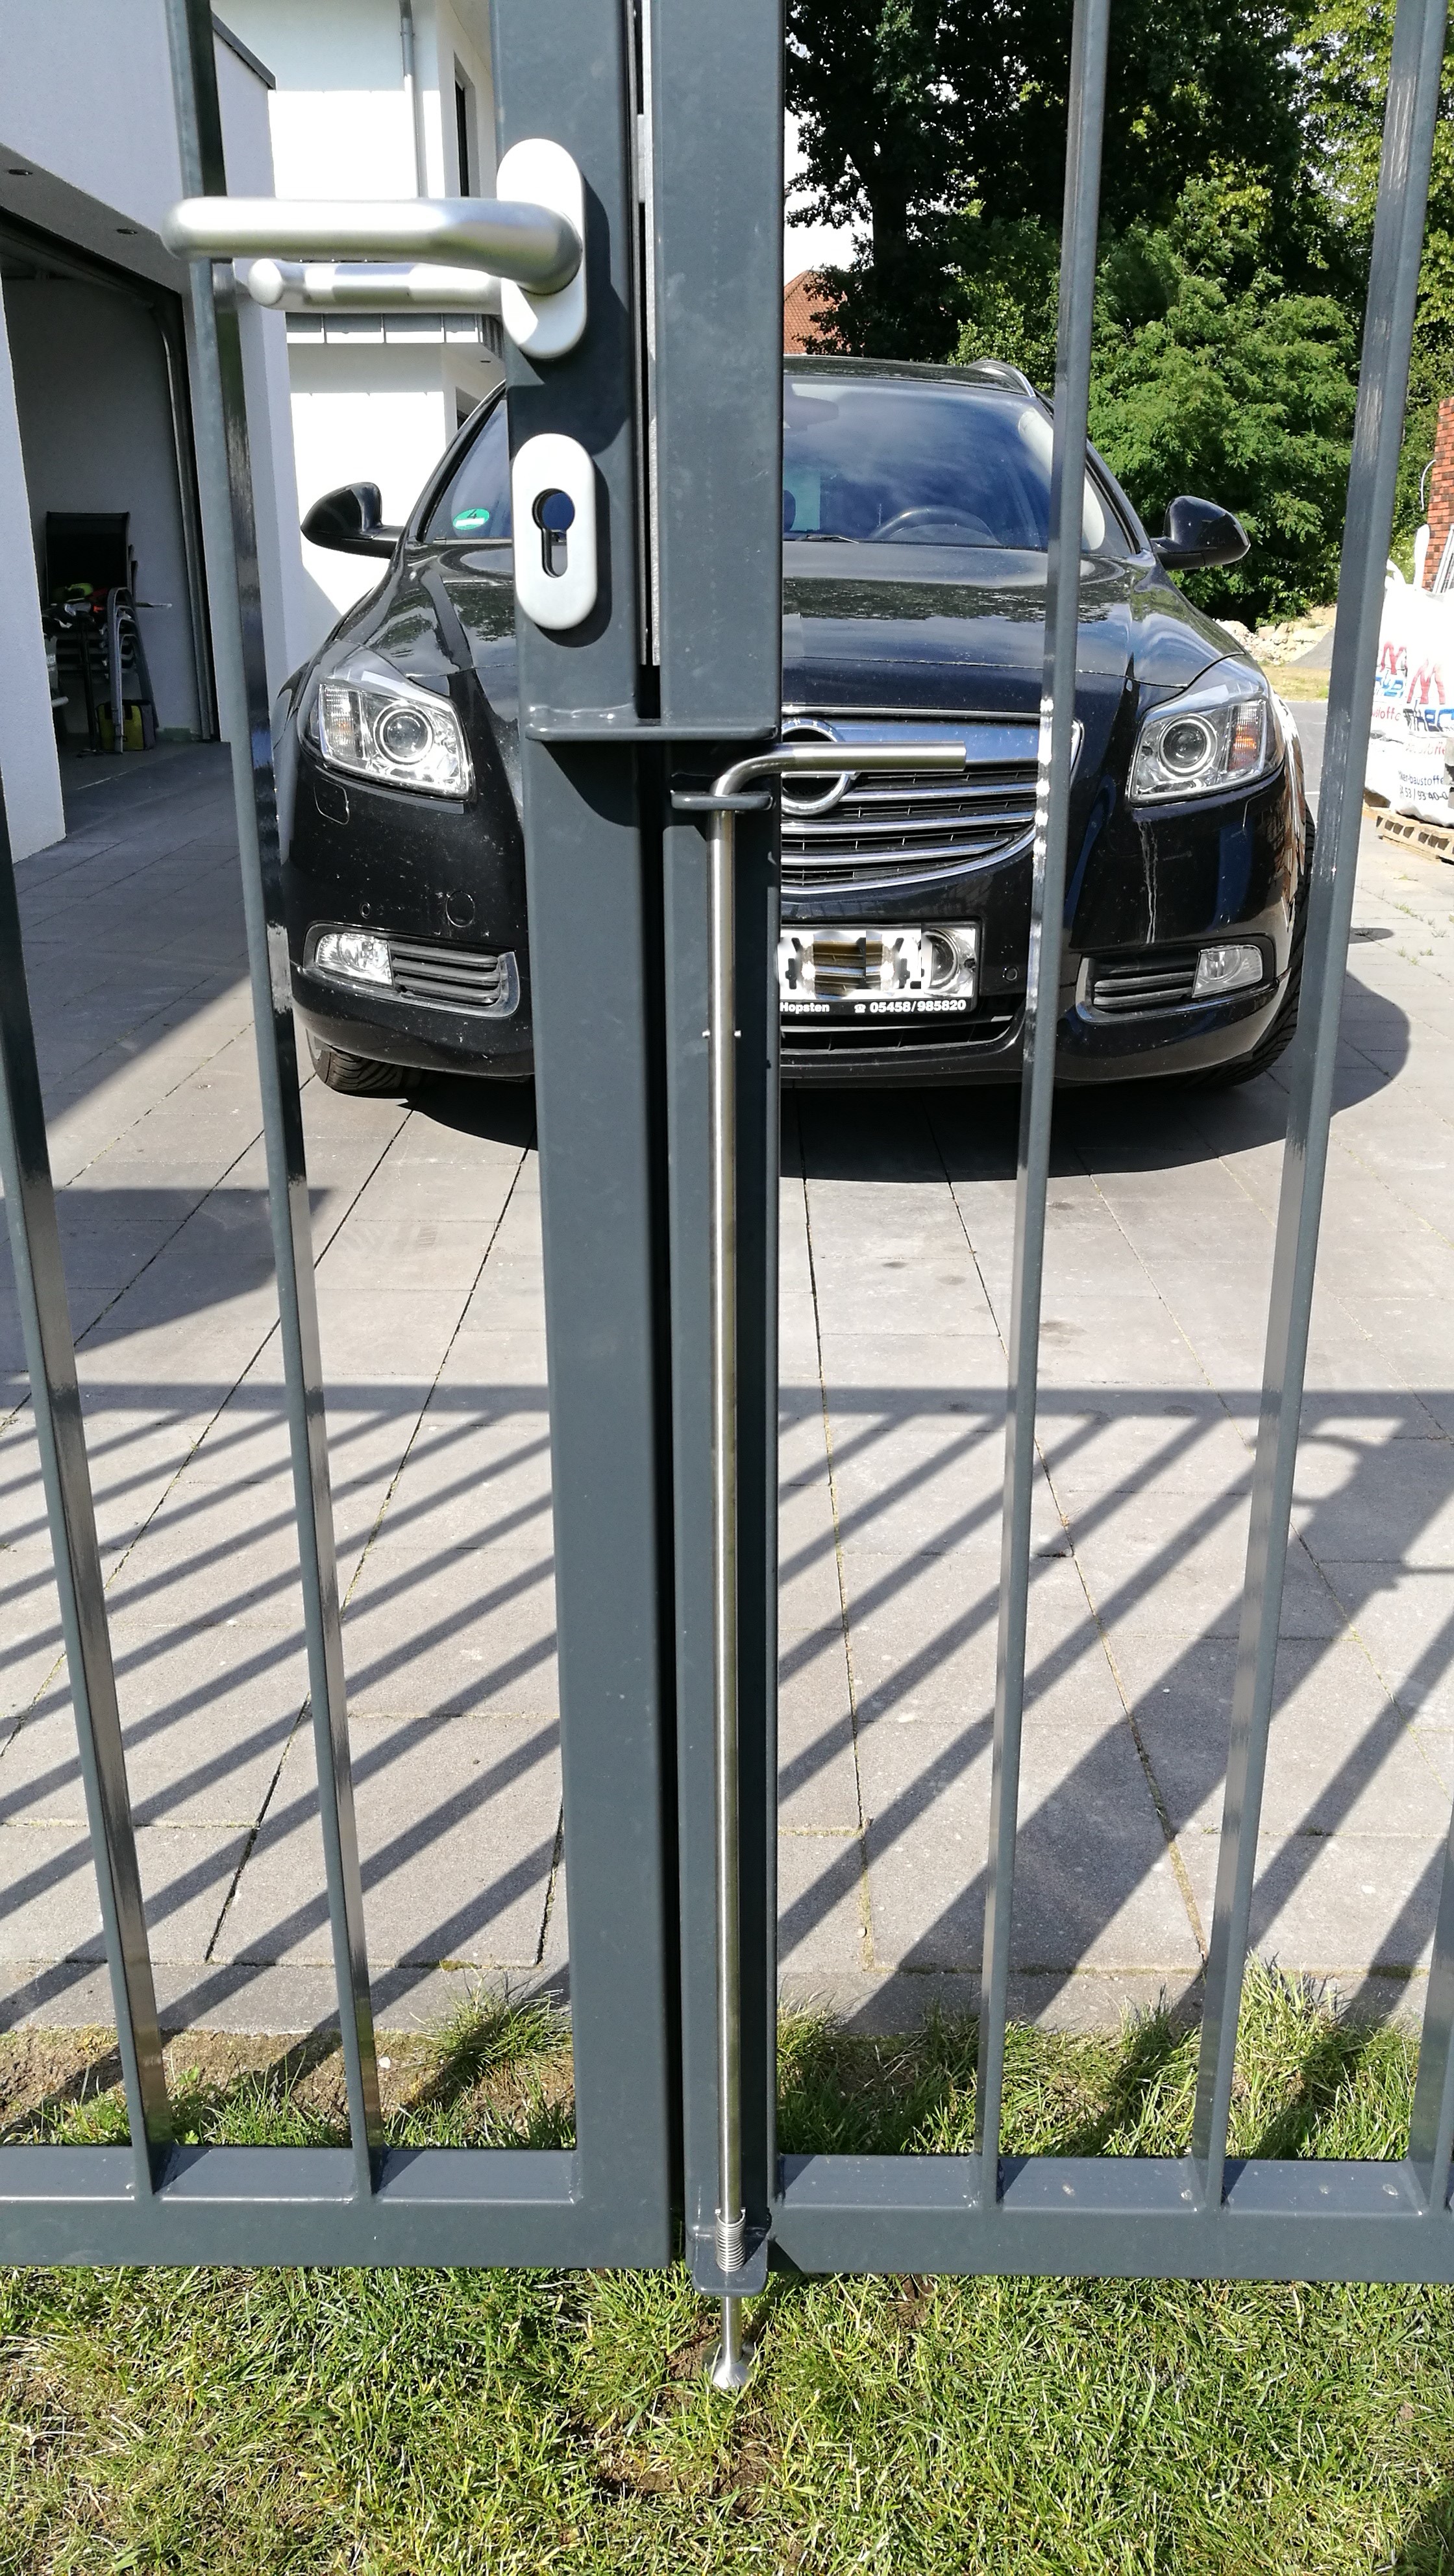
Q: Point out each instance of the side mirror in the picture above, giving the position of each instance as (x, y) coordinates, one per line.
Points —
(1199, 536)
(350, 520)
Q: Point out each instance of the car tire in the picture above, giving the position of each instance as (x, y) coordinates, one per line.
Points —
(358, 1074)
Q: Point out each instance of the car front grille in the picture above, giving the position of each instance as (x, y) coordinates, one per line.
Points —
(895, 824)
(1159, 979)
(463, 978)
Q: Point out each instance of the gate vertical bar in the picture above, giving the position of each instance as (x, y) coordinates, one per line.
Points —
(594, 908)
(1042, 1012)
(1408, 136)
(225, 471)
(1431, 2127)
(715, 141)
(722, 1042)
(50, 1353)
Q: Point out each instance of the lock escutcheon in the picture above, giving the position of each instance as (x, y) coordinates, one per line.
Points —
(553, 494)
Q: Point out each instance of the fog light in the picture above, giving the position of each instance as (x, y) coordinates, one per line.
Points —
(1230, 969)
(354, 953)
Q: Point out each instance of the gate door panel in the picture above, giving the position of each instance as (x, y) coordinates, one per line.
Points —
(1204, 2214)
(565, 75)
(639, 240)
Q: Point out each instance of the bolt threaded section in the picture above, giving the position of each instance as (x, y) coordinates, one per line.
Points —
(728, 2235)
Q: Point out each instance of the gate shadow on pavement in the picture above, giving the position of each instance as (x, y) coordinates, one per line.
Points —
(441, 1478)
(1138, 1565)
(1364, 1770)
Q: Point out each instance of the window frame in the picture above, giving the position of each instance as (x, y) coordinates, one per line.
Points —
(449, 466)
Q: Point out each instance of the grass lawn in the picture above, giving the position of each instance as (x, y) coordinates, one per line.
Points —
(402, 2423)
(1290, 682)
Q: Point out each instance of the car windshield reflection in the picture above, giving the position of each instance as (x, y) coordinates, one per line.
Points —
(894, 463)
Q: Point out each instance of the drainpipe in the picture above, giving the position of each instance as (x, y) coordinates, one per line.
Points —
(411, 93)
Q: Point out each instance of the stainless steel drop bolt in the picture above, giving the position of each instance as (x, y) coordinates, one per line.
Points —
(739, 790)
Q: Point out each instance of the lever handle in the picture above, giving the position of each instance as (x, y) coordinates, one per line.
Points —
(530, 244)
(371, 286)
(527, 245)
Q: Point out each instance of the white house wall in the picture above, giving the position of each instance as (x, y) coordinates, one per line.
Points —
(87, 97)
(339, 118)
(28, 764)
(372, 415)
(446, 35)
(340, 114)
(366, 409)
(88, 152)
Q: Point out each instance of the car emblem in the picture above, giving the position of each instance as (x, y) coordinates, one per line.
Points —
(836, 784)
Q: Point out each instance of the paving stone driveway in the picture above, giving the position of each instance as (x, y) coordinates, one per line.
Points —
(897, 1222)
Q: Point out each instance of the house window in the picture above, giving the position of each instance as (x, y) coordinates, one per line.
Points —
(462, 134)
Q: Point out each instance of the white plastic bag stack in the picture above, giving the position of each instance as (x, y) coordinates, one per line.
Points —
(1413, 703)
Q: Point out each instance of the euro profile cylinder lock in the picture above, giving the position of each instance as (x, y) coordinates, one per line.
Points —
(553, 497)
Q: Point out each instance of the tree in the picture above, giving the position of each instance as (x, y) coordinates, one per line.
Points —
(1242, 149)
(871, 83)
(1346, 84)
(913, 112)
(1210, 376)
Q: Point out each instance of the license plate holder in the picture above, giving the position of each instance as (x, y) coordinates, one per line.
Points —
(885, 971)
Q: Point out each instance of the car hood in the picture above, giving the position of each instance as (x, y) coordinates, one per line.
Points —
(965, 631)
(878, 628)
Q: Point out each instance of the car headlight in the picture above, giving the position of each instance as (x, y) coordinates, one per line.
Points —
(1221, 734)
(375, 724)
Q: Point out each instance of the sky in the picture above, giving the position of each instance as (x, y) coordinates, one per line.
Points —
(809, 245)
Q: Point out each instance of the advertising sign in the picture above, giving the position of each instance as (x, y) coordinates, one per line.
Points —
(1413, 704)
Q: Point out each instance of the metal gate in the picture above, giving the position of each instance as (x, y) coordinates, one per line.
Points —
(645, 349)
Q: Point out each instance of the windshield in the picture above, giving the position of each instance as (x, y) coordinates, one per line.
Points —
(475, 501)
(899, 463)
(876, 461)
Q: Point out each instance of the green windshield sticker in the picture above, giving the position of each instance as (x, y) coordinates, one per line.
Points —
(471, 518)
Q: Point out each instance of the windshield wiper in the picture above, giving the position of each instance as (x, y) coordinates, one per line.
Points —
(815, 537)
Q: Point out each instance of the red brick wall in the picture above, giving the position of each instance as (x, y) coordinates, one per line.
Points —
(1441, 491)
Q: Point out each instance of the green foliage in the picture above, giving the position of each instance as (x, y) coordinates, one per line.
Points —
(1347, 84)
(1008, 275)
(416, 2423)
(912, 111)
(1242, 151)
(1209, 376)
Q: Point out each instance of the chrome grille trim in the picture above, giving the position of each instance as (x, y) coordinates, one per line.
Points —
(1008, 813)
(1157, 980)
(820, 872)
(910, 826)
(987, 1025)
(464, 979)
(923, 795)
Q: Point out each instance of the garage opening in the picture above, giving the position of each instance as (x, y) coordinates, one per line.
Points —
(99, 358)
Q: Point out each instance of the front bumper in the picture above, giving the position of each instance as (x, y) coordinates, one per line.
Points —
(411, 868)
(1182, 1041)
(427, 1036)
(1174, 878)
(446, 876)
